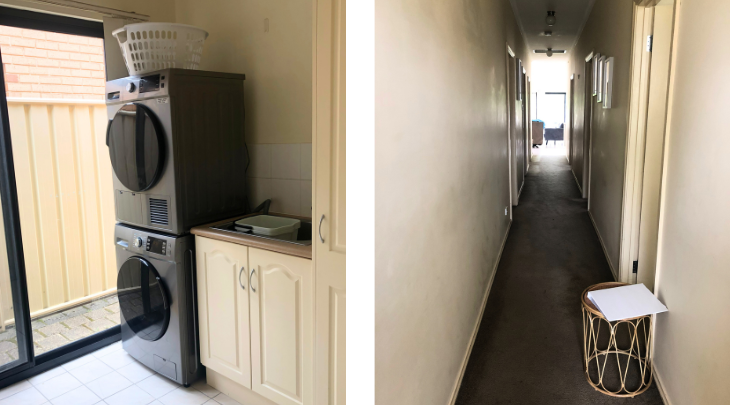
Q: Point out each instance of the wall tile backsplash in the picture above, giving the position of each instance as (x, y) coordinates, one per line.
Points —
(282, 172)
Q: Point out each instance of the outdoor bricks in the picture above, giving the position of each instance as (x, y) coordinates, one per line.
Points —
(78, 40)
(39, 53)
(34, 34)
(46, 45)
(54, 65)
(82, 73)
(72, 64)
(69, 47)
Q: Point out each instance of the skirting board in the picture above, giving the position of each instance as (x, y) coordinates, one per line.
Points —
(577, 183)
(465, 362)
(660, 387)
(603, 246)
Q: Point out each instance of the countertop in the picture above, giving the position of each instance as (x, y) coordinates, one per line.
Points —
(253, 241)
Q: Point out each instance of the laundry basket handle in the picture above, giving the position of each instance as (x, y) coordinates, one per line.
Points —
(118, 32)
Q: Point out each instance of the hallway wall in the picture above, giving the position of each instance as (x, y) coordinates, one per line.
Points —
(691, 354)
(608, 32)
(441, 184)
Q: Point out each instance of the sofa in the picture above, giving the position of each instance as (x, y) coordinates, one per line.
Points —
(553, 134)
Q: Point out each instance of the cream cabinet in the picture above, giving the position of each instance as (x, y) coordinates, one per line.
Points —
(328, 201)
(256, 319)
(223, 308)
(282, 327)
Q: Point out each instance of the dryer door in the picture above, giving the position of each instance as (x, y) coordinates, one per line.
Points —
(143, 299)
(136, 147)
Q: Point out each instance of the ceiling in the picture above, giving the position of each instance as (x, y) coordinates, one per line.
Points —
(570, 17)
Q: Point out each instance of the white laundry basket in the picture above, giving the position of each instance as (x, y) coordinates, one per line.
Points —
(152, 46)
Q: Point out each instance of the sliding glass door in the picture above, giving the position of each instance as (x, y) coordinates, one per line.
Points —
(15, 332)
(57, 259)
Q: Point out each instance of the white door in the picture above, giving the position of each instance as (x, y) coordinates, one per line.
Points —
(282, 323)
(329, 198)
(223, 308)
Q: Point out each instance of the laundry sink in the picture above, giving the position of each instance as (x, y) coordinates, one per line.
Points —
(303, 235)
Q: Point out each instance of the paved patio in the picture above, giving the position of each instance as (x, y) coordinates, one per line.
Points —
(56, 330)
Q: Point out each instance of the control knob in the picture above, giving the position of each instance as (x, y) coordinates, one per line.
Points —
(138, 242)
(131, 87)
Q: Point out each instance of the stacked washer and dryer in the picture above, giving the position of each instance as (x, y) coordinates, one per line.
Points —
(178, 154)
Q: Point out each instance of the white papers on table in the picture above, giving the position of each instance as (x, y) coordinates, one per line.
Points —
(626, 302)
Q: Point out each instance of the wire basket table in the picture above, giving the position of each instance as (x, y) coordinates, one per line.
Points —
(616, 354)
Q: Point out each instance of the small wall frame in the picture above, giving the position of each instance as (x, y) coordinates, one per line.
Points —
(599, 78)
(595, 73)
(607, 82)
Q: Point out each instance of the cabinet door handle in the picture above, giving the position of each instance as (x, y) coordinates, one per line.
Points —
(239, 277)
(249, 280)
(320, 228)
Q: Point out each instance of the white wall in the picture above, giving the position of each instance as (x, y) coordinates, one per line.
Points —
(277, 62)
(441, 185)
(692, 353)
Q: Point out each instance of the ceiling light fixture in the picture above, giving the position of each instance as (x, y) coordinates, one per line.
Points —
(549, 52)
(550, 19)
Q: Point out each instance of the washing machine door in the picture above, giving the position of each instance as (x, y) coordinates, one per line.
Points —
(143, 299)
(136, 147)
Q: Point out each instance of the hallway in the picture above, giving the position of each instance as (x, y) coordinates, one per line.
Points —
(528, 349)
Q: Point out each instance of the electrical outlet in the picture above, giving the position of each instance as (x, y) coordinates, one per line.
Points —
(505, 210)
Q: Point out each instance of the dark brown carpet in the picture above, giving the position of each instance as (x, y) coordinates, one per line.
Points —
(528, 349)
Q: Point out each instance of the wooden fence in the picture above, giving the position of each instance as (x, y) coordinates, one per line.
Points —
(65, 195)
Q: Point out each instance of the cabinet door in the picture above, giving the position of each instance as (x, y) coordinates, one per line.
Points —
(329, 174)
(223, 308)
(282, 323)
(329, 346)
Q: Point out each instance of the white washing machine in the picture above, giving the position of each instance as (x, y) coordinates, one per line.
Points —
(156, 287)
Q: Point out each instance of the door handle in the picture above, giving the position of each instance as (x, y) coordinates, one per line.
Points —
(250, 283)
(239, 277)
(320, 228)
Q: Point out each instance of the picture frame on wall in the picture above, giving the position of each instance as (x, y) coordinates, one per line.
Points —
(518, 80)
(607, 83)
(599, 77)
(595, 74)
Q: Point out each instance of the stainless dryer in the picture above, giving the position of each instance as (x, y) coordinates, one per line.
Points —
(176, 144)
(155, 285)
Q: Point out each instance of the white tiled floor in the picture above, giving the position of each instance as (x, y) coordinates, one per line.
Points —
(108, 376)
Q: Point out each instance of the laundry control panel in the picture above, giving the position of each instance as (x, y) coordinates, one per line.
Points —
(144, 243)
(155, 245)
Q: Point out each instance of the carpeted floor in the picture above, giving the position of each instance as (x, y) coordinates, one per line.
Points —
(528, 349)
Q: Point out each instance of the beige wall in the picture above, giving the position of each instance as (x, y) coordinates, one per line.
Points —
(277, 63)
(608, 32)
(691, 355)
(441, 185)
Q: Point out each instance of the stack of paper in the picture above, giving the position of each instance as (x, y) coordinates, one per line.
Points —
(626, 302)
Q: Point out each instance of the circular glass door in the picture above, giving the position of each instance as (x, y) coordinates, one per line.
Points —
(142, 299)
(136, 147)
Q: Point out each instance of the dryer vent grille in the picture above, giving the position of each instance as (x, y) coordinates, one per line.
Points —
(158, 212)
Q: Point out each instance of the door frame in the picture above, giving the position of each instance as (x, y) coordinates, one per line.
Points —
(571, 119)
(636, 142)
(512, 176)
(587, 127)
(8, 192)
